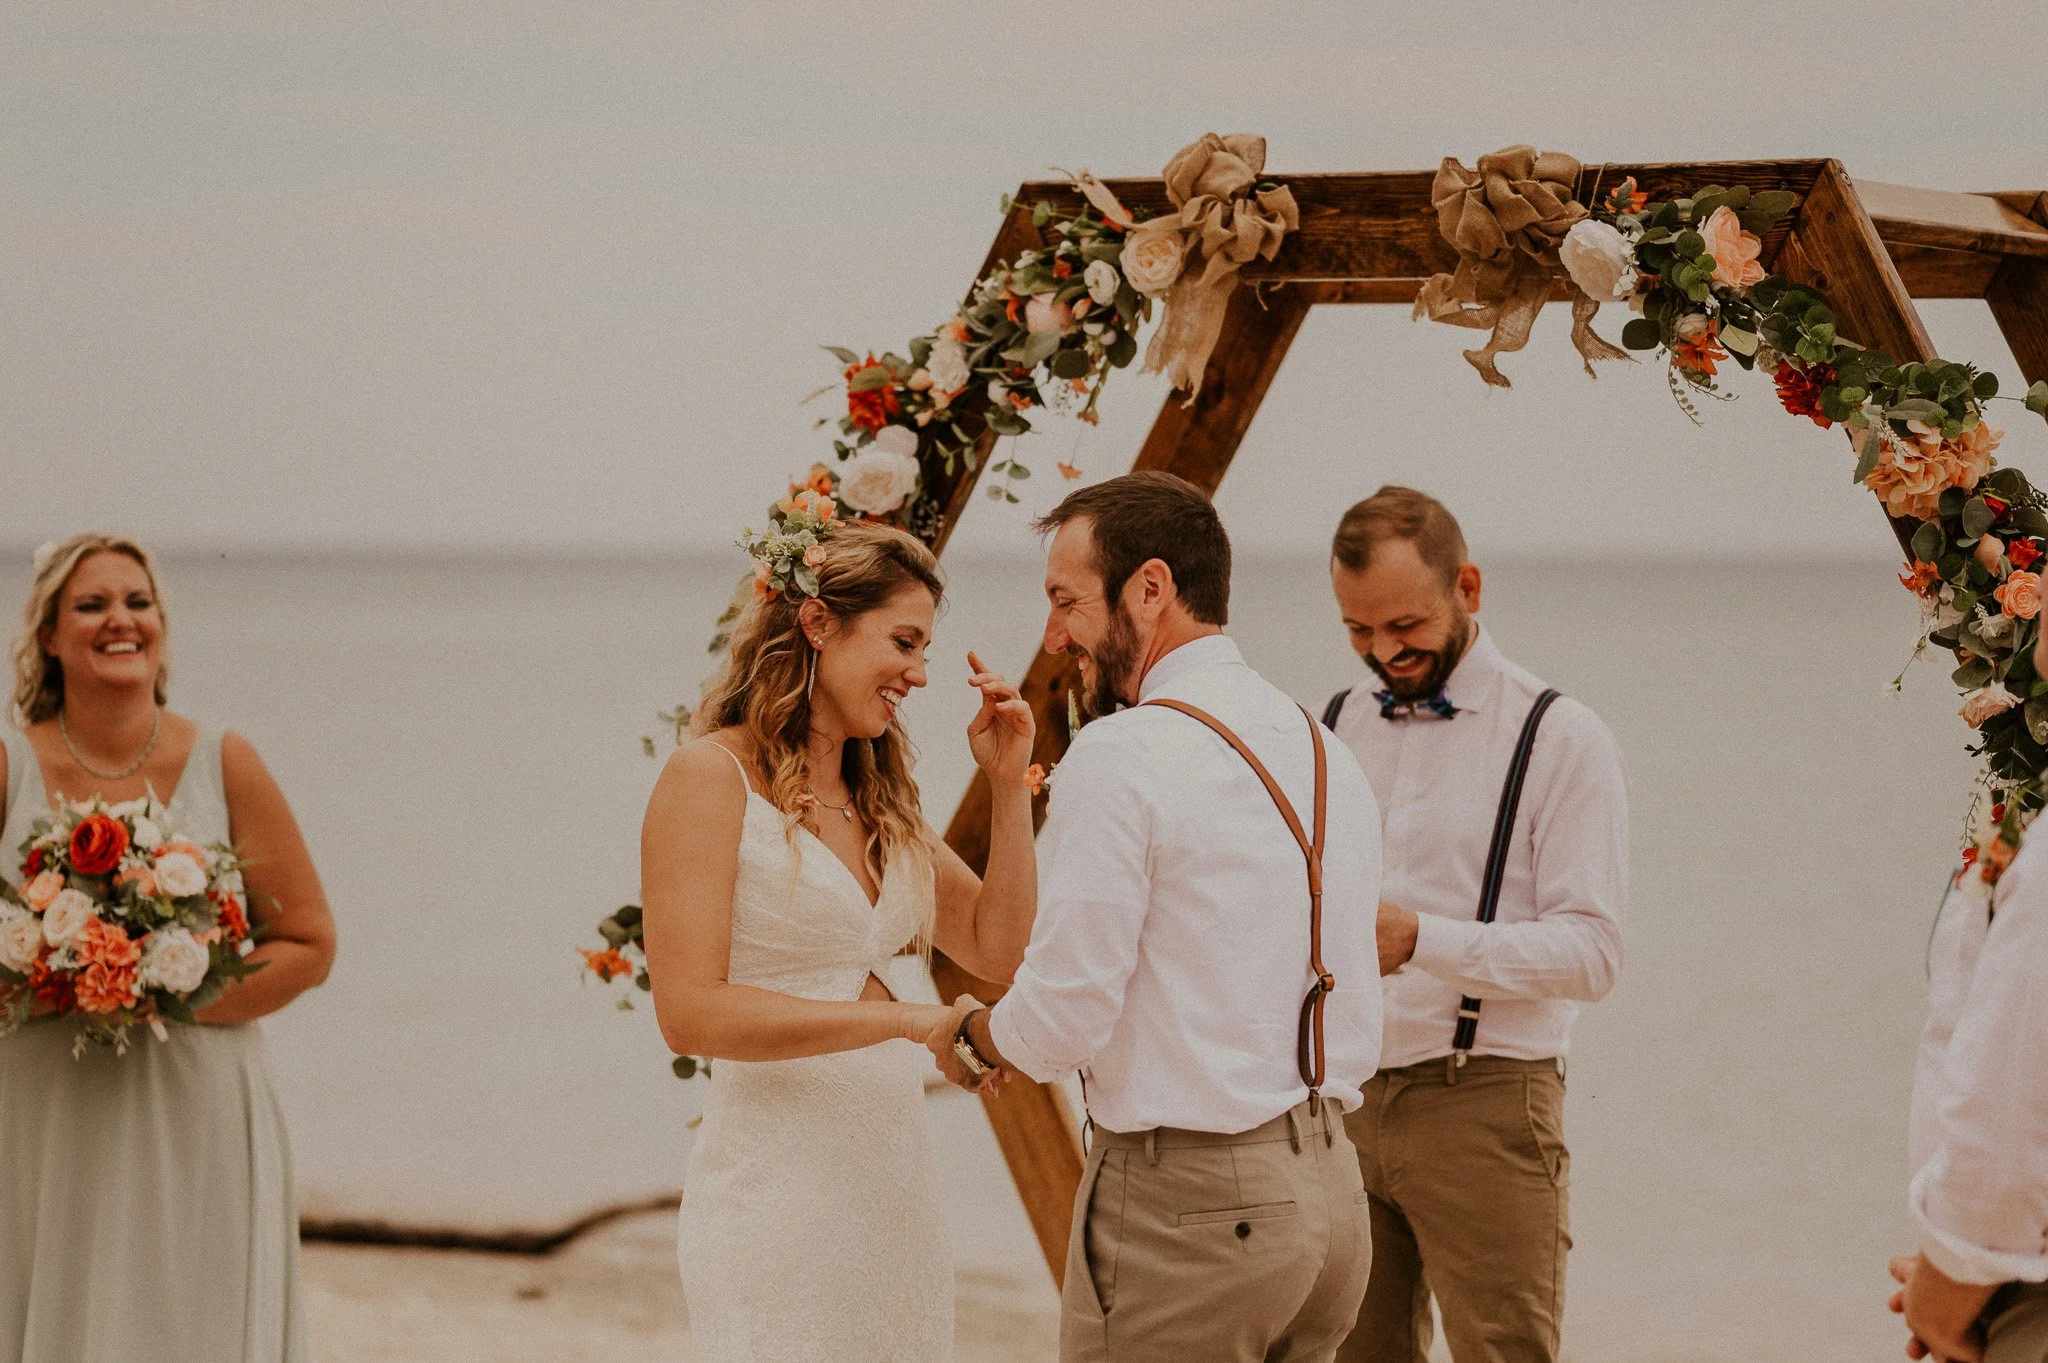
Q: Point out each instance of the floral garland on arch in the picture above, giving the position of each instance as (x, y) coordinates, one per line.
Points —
(1690, 269)
(1042, 331)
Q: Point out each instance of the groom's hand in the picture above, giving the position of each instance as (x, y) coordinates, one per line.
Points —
(940, 1044)
(1941, 1312)
(1395, 930)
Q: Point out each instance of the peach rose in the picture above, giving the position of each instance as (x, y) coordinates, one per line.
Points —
(41, 890)
(2020, 595)
(1734, 251)
(1990, 549)
(1985, 702)
(1044, 313)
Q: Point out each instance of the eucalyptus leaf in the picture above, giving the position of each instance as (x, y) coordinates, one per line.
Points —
(2037, 398)
(2036, 715)
(1977, 517)
(1972, 674)
(1928, 541)
(1642, 334)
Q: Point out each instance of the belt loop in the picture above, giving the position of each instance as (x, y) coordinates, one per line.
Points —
(1451, 1067)
(1087, 1134)
(1152, 1146)
(1560, 1069)
(1294, 1129)
(1324, 1105)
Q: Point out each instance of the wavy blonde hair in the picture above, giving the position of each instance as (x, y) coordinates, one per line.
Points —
(38, 677)
(762, 689)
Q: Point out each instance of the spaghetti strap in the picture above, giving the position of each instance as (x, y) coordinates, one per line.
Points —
(745, 779)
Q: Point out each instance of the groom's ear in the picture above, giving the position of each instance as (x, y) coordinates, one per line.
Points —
(1151, 589)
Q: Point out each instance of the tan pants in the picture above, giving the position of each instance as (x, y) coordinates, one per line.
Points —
(2016, 1324)
(1192, 1247)
(1467, 1175)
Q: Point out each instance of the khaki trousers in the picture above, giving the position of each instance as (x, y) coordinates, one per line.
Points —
(1467, 1175)
(2016, 1324)
(1193, 1247)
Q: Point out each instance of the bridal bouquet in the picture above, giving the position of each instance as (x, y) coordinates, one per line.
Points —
(119, 921)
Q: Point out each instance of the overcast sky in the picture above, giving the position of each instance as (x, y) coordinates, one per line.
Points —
(554, 276)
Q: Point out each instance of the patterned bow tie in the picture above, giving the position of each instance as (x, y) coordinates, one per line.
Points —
(1397, 707)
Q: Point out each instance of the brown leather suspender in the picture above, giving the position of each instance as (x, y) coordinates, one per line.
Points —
(1309, 1047)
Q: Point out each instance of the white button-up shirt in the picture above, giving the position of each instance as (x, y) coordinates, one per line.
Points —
(1556, 936)
(1979, 1194)
(1170, 955)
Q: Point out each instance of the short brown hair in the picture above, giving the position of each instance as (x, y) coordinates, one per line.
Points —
(1401, 513)
(1142, 516)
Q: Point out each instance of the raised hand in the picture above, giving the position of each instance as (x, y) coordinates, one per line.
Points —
(1001, 732)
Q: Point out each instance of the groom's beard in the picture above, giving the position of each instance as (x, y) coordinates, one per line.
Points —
(1442, 661)
(1115, 658)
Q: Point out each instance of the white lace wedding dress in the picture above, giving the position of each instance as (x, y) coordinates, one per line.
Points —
(811, 1229)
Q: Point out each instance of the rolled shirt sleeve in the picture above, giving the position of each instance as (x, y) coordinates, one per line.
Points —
(1980, 1202)
(1578, 829)
(1092, 900)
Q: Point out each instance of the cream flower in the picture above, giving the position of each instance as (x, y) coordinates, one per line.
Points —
(173, 959)
(179, 876)
(947, 364)
(67, 913)
(1044, 313)
(21, 938)
(1985, 702)
(884, 475)
(1734, 251)
(1102, 281)
(1599, 260)
(147, 835)
(1152, 259)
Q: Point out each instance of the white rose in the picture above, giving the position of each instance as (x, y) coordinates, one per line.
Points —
(65, 916)
(1152, 259)
(883, 476)
(1599, 260)
(179, 876)
(21, 938)
(1102, 281)
(129, 808)
(230, 883)
(173, 959)
(947, 365)
(146, 834)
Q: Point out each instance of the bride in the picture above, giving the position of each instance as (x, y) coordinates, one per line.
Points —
(784, 861)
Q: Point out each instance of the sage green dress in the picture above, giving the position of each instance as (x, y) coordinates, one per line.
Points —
(146, 1206)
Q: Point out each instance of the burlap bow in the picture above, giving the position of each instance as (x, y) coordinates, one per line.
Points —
(1223, 222)
(1506, 221)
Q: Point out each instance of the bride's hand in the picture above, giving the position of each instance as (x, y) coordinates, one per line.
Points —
(1001, 732)
(939, 1041)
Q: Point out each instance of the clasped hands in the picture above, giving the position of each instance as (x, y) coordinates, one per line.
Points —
(940, 1043)
(1942, 1313)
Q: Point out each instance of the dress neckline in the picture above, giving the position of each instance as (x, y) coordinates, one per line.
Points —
(881, 883)
(43, 787)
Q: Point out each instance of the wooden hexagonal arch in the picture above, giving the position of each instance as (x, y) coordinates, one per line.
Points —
(1373, 238)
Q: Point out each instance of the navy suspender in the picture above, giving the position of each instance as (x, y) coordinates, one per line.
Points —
(1497, 858)
(1335, 708)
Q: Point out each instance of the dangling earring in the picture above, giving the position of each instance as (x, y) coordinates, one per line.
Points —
(811, 672)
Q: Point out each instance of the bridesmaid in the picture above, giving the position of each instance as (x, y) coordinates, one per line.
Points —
(146, 1206)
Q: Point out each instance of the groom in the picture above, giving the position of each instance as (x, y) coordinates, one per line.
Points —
(1220, 1011)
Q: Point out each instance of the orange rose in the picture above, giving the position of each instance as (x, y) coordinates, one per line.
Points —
(97, 844)
(2020, 595)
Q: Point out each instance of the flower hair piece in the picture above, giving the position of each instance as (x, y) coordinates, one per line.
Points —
(786, 558)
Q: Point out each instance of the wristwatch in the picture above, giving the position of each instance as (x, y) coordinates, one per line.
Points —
(977, 1065)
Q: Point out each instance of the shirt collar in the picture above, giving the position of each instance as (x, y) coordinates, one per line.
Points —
(1471, 684)
(1211, 650)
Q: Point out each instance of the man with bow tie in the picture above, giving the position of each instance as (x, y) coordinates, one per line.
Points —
(1505, 822)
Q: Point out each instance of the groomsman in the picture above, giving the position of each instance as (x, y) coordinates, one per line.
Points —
(1979, 1194)
(1505, 829)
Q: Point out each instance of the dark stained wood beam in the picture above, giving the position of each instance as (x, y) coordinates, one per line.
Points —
(2018, 295)
(1383, 226)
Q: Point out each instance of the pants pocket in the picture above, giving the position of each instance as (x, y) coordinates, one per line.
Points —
(1265, 1211)
(1543, 1105)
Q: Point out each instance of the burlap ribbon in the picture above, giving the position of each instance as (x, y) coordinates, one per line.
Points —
(1224, 221)
(1506, 221)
